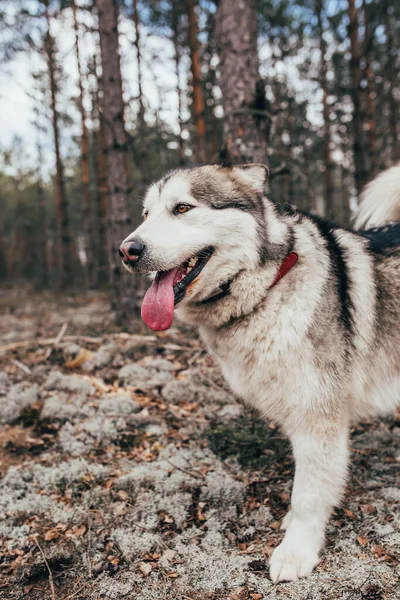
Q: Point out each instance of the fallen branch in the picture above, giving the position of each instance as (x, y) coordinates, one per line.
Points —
(57, 340)
(196, 474)
(90, 340)
(51, 582)
(49, 342)
(23, 367)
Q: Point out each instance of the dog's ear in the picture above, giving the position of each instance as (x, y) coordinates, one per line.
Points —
(256, 172)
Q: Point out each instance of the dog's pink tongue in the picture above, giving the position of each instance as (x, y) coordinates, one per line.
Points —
(158, 303)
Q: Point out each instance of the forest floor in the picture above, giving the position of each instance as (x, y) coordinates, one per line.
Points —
(128, 470)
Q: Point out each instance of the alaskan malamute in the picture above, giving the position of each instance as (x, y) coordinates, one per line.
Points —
(302, 316)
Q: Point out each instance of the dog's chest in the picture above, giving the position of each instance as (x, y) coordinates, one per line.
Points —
(255, 361)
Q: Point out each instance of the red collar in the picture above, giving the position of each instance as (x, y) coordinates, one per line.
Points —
(288, 262)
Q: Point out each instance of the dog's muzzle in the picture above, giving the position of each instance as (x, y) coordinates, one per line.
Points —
(131, 251)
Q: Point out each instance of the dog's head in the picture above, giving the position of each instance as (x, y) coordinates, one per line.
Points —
(202, 227)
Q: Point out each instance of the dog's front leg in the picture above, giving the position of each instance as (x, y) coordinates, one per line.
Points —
(321, 467)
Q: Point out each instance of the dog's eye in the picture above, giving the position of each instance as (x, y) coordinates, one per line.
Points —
(180, 209)
(145, 215)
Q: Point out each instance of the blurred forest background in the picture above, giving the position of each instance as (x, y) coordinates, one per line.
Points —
(122, 91)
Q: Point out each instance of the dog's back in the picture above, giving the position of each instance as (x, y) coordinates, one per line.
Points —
(378, 220)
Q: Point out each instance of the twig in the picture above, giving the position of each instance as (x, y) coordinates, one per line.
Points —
(89, 545)
(195, 356)
(77, 591)
(57, 340)
(191, 473)
(51, 582)
(23, 367)
(49, 342)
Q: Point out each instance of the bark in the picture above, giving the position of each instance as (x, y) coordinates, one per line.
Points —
(291, 183)
(370, 92)
(279, 130)
(244, 102)
(85, 172)
(135, 17)
(323, 79)
(99, 159)
(198, 106)
(177, 60)
(43, 242)
(3, 260)
(65, 246)
(361, 165)
(392, 78)
(116, 151)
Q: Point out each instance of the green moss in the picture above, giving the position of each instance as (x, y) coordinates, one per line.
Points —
(249, 439)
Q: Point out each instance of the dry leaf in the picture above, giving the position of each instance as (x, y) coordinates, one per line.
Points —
(169, 554)
(75, 531)
(173, 574)
(119, 509)
(276, 525)
(146, 568)
(368, 509)
(363, 541)
(79, 360)
(377, 551)
(256, 596)
(122, 495)
(350, 514)
(52, 534)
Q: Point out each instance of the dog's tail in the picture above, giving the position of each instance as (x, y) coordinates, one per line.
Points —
(380, 201)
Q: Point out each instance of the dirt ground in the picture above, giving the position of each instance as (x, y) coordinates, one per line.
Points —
(128, 470)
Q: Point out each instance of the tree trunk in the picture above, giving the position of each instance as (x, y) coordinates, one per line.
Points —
(198, 106)
(360, 144)
(3, 259)
(85, 172)
(242, 89)
(42, 233)
(65, 246)
(323, 79)
(99, 165)
(120, 224)
(135, 17)
(392, 78)
(291, 182)
(370, 93)
(177, 60)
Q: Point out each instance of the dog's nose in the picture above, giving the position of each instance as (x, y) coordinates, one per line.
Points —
(131, 251)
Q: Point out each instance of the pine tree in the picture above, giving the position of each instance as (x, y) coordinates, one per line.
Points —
(84, 143)
(65, 246)
(242, 88)
(116, 143)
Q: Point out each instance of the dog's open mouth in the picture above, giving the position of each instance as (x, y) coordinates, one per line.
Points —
(169, 288)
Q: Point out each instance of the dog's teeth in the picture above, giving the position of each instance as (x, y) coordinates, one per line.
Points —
(192, 262)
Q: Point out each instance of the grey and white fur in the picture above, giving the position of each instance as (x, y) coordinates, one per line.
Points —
(316, 352)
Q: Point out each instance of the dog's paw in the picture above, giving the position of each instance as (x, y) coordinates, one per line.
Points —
(286, 521)
(289, 563)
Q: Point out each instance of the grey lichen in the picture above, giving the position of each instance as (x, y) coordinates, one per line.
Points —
(17, 399)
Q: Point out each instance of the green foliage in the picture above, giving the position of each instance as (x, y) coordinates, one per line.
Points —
(290, 68)
(248, 439)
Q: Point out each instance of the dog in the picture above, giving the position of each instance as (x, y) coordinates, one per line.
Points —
(301, 315)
